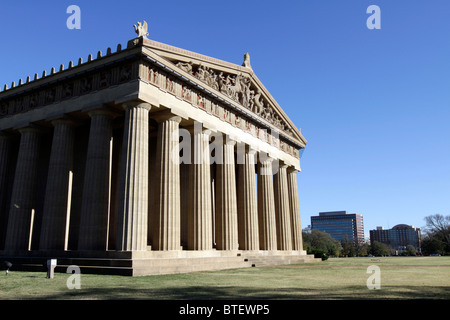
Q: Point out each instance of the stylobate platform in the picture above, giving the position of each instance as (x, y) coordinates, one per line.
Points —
(154, 262)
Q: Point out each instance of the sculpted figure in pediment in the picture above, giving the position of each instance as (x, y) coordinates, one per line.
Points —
(258, 102)
(224, 83)
(185, 66)
(202, 73)
(235, 88)
(245, 92)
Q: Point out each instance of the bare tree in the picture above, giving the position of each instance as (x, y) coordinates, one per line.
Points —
(438, 228)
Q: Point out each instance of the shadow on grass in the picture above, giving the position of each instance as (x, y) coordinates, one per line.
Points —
(249, 293)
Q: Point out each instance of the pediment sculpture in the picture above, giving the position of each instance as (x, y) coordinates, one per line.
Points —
(239, 88)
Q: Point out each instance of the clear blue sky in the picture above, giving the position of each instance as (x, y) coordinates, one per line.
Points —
(374, 105)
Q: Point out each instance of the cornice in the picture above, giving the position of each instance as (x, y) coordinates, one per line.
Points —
(72, 70)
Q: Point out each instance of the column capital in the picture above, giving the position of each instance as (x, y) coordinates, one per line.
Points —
(283, 165)
(5, 135)
(266, 159)
(229, 141)
(292, 169)
(165, 115)
(136, 104)
(31, 128)
(64, 120)
(244, 150)
(197, 127)
(101, 109)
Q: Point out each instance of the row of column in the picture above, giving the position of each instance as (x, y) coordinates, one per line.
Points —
(248, 215)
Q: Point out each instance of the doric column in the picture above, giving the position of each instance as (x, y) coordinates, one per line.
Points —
(6, 168)
(282, 210)
(247, 203)
(5, 164)
(200, 206)
(226, 228)
(133, 189)
(166, 219)
(297, 242)
(96, 190)
(23, 198)
(266, 206)
(59, 186)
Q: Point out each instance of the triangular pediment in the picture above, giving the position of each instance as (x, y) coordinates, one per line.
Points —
(231, 81)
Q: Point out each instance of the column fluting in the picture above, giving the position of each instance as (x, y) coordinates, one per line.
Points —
(133, 189)
(266, 206)
(226, 228)
(6, 170)
(246, 201)
(297, 241)
(282, 210)
(200, 205)
(57, 193)
(166, 218)
(23, 197)
(97, 179)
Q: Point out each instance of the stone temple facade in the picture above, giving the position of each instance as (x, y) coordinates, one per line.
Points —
(150, 159)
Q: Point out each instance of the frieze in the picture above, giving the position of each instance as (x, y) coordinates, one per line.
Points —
(67, 89)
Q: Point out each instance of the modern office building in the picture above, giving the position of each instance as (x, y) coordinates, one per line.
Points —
(398, 237)
(340, 224)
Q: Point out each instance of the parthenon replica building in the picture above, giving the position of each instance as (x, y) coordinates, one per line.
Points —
(147, 160)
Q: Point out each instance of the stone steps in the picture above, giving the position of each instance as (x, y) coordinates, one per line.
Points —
(276, 260)
(160, 263)
(129, 267)
(185, 265)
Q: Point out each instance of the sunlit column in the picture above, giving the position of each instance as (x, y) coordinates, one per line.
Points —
(200, 205)
(226, 228)
(133, 190)
(266, 206)
(247, 202)
(294, 206)
(166, 219)
(282, 210)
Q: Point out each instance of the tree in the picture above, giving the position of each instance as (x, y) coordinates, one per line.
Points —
(362, 249)
(431, 246)
(318, 240)
(348, 246)
(379, 249)
(411, 250)
(437, 234)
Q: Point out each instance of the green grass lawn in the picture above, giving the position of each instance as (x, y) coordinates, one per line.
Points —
(335, 279)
